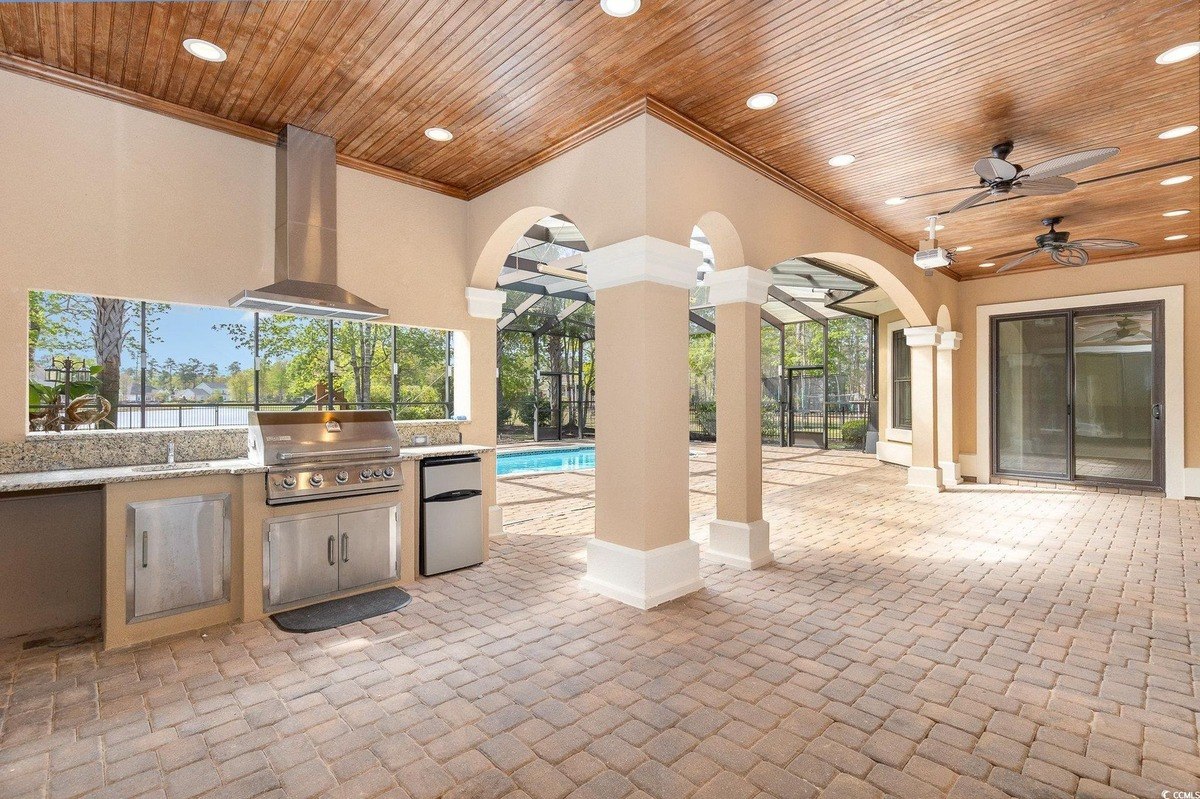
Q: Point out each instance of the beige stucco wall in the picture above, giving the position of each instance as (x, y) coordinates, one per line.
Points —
(103, 198)
(1172, 270)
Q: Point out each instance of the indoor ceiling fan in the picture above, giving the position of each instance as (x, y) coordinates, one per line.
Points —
(999, 177)
(1060, 247)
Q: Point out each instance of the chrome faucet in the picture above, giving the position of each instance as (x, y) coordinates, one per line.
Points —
(170, 453)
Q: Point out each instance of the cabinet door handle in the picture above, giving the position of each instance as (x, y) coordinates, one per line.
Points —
(345, 547)
(145, 544)
(332, 561)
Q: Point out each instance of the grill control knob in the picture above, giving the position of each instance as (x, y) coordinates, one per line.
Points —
(316, 480)
(342, 477)
(288, 481)
(378, 472)
(389, 472)
(365, 474)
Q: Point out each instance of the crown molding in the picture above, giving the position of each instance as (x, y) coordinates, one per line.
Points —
(33, 69)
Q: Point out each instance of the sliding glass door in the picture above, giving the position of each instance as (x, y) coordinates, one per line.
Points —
(1077, 395)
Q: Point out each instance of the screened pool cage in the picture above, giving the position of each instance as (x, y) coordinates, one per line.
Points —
(819, 329)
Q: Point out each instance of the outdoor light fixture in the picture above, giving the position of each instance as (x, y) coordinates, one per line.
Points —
(439, 134)
(1175, 133)
(1175, 181)
(1176, 237)
(842, 160)
(762, 101)
(1181, 53)
(1181, 212)
(205, 51)
(986, 264)
(620, 8)
(964, 248)
(895, 201)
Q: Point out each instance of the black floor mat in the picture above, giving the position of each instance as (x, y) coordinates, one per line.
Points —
(336, 612)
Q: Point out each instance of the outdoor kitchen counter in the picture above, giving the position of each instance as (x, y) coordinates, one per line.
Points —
(70, 478)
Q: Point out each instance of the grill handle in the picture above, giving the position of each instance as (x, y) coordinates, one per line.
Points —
(335, 453)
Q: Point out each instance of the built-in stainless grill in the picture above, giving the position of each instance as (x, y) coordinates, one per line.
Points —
(324, 454)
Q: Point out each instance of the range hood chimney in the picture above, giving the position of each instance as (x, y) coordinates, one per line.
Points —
(306, 236)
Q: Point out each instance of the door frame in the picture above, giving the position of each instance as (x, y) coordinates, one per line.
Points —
(1173, 374)
(1158, 442)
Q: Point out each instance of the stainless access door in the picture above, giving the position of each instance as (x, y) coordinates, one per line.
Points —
(367, 547)
(303, 558)
(177, 555)
(451, 514)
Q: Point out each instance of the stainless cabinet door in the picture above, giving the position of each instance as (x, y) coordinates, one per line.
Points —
(367, 547)
(443, 477)
(452, 536)
(179, 554)
(303, 558)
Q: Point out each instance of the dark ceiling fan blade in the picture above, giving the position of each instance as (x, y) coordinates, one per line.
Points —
(968, 202)
(1034, 187)
(1019, 261)
(1104, 244)
(1069, 163)
(991, 169)
(1009, 253)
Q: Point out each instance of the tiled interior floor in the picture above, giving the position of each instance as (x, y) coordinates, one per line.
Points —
(990, 641)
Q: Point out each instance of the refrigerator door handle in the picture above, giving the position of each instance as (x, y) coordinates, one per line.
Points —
(452, 496)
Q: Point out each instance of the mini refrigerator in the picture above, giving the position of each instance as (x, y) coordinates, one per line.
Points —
(452, 535)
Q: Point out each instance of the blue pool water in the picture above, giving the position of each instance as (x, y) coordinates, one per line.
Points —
(562, 459)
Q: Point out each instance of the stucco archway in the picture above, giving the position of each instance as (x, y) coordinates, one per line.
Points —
(491, 257)
(723, 238)
(883, 277)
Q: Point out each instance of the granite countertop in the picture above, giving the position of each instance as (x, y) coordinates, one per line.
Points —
(69, 478)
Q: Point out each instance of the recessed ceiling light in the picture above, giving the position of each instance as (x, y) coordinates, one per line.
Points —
(1175, 133)
(895, 201)
(964, 248)
(1181, 53)
(439, 134)
(1181, 212)
(1175, 181)
(620, 8)
(205, 51)
(986, 264)
(762, 101)
(841, 160)
(1176, 237)
(937, 227)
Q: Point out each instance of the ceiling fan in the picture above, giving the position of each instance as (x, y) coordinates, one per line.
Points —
(1060, 247)
(1117, 327)
(1000, 177)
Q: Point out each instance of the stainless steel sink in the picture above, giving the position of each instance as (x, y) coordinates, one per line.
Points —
(172, 467)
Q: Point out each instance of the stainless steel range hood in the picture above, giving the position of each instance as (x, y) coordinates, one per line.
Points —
(306, 236)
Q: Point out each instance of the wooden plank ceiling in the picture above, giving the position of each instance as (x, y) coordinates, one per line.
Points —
(916, 90)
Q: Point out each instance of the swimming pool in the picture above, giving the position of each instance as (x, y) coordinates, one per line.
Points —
(559, 459)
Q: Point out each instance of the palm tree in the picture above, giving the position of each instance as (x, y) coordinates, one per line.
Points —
(109, 328)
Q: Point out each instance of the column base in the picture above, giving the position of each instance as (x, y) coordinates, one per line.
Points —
(639, 578)
(951, 473)
(496, 521)
(742, 545)
(925, 478)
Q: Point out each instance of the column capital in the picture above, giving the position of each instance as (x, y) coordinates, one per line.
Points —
(642, 259)
(923, 336)
(949, 340)
(742, 284)
(485, 303)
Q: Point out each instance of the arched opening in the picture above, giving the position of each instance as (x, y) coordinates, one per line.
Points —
(545, 336)
(831, 328)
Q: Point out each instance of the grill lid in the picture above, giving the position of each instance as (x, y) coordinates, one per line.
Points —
(290, 438)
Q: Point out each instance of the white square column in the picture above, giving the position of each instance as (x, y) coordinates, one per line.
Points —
(739, 537)
(947, 451)
(474, 388)
(642, 554)
(924, 472)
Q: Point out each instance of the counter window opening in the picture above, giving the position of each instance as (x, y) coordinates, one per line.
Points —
(163, 365)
